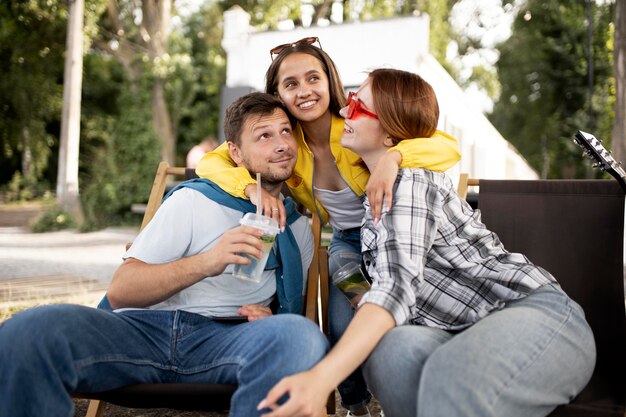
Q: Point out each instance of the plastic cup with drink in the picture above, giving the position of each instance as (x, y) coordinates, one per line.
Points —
(349, 278)
(254, 270)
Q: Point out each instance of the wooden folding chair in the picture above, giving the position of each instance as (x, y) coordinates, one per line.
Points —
(198, 397)
(464, 183)
(575, 230)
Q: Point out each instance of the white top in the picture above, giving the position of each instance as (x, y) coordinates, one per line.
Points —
(344, 207)
(188, 223)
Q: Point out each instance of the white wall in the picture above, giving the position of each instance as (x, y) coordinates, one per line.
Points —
(358, 47)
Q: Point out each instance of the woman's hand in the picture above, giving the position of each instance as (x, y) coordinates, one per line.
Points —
(308, 394)
(254, 311)
(308, 391)
(379, 188)
(270, 205)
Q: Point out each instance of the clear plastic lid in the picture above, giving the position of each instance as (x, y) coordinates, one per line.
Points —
(267, 224)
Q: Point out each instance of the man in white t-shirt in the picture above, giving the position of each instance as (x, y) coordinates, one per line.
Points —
(164, 318)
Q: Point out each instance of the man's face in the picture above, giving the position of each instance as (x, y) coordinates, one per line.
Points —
(266, 146)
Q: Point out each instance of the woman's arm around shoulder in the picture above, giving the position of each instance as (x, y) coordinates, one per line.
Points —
(439, 152)
(218, 167)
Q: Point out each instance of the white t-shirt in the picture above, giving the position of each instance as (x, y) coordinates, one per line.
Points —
(188, 223)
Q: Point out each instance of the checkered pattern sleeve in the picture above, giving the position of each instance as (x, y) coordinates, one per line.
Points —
(395, 249)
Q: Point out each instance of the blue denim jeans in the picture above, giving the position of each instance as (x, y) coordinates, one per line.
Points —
(46, 353)
(536, 353)
(353, 390)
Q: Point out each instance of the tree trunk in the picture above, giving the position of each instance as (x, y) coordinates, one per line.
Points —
(155, 24)
(321, 11)
(545, 165)
(26, 153)
(153, 37)
(125, 52)
(67, 176)
(162, 123)
(618, 134)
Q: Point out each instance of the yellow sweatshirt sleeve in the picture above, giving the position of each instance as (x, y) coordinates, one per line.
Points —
(437, 153)
(220, 168)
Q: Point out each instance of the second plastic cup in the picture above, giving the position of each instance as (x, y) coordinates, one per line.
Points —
(351, 282)
(254, 270)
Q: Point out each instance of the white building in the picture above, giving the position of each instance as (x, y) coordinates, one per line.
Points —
(359, 47)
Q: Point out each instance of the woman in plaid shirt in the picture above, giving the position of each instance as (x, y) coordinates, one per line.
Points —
(454, 325)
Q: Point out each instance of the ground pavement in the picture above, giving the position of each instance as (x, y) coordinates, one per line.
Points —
(63, 265)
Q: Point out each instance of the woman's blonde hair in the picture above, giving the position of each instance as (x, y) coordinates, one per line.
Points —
(405, 104)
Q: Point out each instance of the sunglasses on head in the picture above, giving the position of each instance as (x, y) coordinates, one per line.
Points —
(304, 41)
(356, 109)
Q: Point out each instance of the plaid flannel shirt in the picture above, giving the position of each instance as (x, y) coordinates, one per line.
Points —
(434, 263)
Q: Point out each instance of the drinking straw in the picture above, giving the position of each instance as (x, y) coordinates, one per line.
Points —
(258, 193)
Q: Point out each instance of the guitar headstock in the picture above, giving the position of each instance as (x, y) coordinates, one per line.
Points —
(602, 158)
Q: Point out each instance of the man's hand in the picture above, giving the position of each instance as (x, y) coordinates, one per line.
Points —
(139, 284)
(270, 205)
(307, 396)
(254, 311)
(230, 247)
(379, 188)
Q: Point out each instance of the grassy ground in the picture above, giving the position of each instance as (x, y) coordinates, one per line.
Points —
(8, 308)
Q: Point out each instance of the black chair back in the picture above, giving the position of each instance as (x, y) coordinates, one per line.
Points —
(575, 230)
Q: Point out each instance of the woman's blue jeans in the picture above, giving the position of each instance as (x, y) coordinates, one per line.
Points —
(353, 390)
(524, 360)
(46, 353)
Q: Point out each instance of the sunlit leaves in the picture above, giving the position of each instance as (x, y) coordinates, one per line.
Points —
(544, 73)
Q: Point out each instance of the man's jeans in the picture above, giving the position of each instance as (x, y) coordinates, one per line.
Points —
(46, 353)
(524, 360)
(353, 390)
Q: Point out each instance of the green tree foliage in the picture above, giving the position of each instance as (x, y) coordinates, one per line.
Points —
(122, 165)
(121, 144)
(266, 15)
(199, 118)
(618, 133)
(543, 69)
(440, 31)
(32, 41)
(120, 138)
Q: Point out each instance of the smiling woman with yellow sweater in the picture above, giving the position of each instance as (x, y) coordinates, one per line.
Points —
(328, 178)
